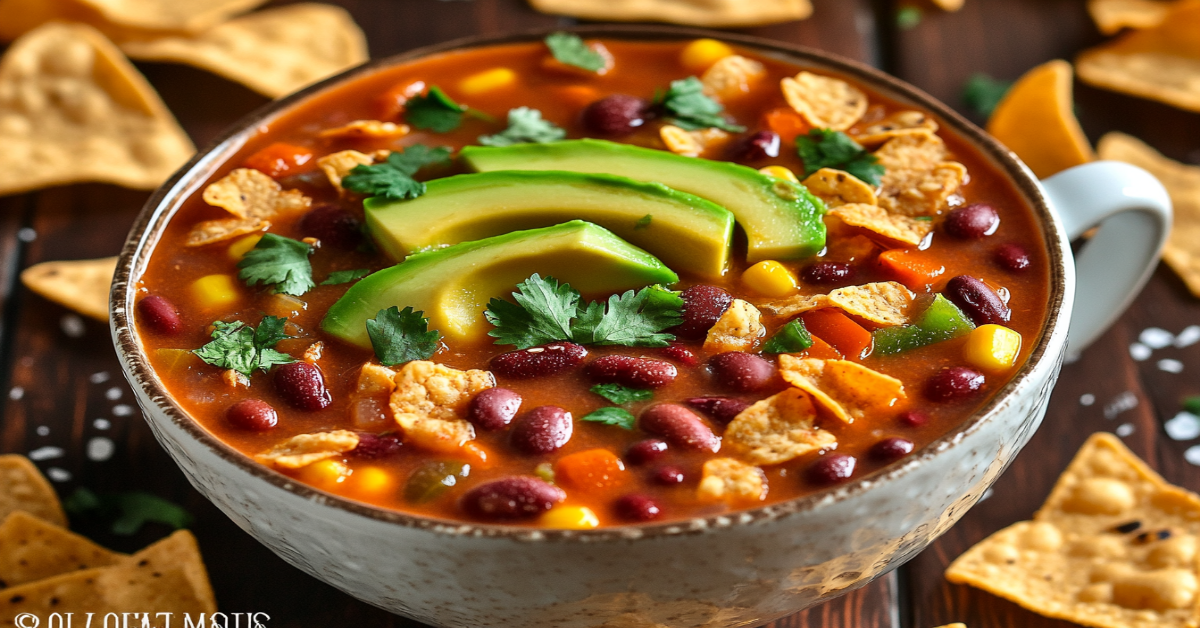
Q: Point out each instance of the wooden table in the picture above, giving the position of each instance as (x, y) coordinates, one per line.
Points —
(65, 388)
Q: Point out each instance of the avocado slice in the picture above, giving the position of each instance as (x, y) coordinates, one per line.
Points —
(684, 231)
(782, 220)
(453, 285)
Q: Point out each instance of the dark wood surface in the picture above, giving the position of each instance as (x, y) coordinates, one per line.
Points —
(61, 374)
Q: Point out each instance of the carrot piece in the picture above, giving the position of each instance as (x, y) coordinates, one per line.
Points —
(911, 268)
(847, 336)
(279, 159)
(390, 104)
(476, 455)
(786, 123)
(578, 95)
(820, 350)
(591, 471)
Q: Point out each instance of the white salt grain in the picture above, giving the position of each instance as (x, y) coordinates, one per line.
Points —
(1087, 399)
(1139, 352)
(1183, 426)
(48, 452)
(1170, 366)
(58, 475)
(1156, 337)
(1188, 337)
(100, 449)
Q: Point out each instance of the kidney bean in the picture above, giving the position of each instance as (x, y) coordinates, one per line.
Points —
(827, 273)
(890, 449)
(302, 385)
(159, 315)
(619, 114)
(252, 414)
(680, 354)
(720, 409)
(542, 361)
(630, 371)
(679, 426)
(514, 497)
(743, 372)
(1012, 257)
(543, 430)
(758, 146)
(638, 508)
(494, 408)
(703, 305)
(374, 446)
(973, 221)
(669, 475)
(977, 300)
(954, 382)
(913, 418)
(832, 469)
(645, 451)
(333, 226)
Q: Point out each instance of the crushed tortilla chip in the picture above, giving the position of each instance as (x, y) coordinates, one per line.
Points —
(1113, 15)
(337, 165)
(366, 128)
(691, 143)
(1114, 546)
(1160, 63)
(709, 13)
(837, 187)
(849, 390)
(429, 399)
(251, 196)
(81, 285)
(35, 549)
(895, 125)
(304, 449)
(738, 329)
(825, 102)
(918, 180)
(23, 487)
(891, 226)
(884, 303)
(1036, 120)
(732, 76)
(376, 379)
(730, 480)
(1182, 251)
(776, 429)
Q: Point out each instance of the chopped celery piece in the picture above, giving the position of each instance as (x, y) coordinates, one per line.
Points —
(433, 479)
(942, 320)
(790, 338)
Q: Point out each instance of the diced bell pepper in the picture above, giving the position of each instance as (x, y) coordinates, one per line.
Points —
(914, 269)
(279, 159)
(833, 326)
(591, 471)
(791, 338)
(992, 348)
(570, 518)
(942, 320)
(433, 479)
(820, 350)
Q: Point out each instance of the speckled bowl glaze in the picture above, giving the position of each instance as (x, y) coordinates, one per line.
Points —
(740, 569)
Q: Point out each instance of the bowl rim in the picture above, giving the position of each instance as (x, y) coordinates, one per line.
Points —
(164, 202)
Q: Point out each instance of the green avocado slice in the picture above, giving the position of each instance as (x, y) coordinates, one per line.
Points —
(684, 231)
(453, 285)
(782, 220)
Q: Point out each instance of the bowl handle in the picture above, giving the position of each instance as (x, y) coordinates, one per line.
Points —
(1133, 212)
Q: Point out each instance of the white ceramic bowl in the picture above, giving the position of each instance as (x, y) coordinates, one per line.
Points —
(741, 569)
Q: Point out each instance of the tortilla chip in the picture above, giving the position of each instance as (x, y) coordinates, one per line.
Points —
(918, 180)
(304, 449)
(274, 52)
(361, 129)
(1036, 120)
(738, 329)
(825, 102)
(1113, 15)
(949, 5)
(730, 480)
(32, 549)
(1160, 63)
(429, 399)
(692, 143)
(895, 125)
(891, 226)
(732, 76)
(776, 429)
(337, 165)
(81, 285)
(837, 187)
(954, 625)
(23, 487)
(1114, 546)
(251, 196)
(849, 390)
(181, 15)
(73, 109)
(710, 13)
(884, 303)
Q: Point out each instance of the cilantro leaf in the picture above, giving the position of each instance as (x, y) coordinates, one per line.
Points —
(631, 319)
(241, 348)
(622, 395)
(790, 338)
(643, 222)
(434, 110)
(401, 336)
(691, 109)
(525, 126)
(129, 511)
(570, 49)
(542, 314)
(981, 93)
(826, 148)
(393, 179)
(278, 261)
(339, 277)
(611, 415)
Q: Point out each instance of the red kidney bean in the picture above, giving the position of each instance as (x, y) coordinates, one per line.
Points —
(827, 273)
(159, 315)
(913, 418)
(703, 305)
(619, 114)
(743, 372)
(640, 508)
(302, 385)
(756, 147)
(374, 446)
(977, 300)
(680, 354)
(890, 449)
(542, 361)
(720, 409)
(543, 430)
(679, 426)
(494, 408)
(630, 371)
(1011, 257)
(669, 475)
(252, 414)
(645, 451)
(954, 382)
(514, 497)
(333, 226)
(832, 469)
(973, 221)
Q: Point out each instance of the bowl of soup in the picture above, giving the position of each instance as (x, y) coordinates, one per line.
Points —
(616, 325)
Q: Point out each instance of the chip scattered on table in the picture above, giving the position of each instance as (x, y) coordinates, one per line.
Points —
(1113, 15)
(710, 13)
(23, 487)
(183, 15)
(81, 285)
(32, 549)
(1036, 120)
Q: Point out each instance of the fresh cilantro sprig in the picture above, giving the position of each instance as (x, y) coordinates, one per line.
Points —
(525, 126)
(826, 148)
(631, 319)
(982, 93)
(244, 349)
(434, 110)
(393, 179)
(542, 313)
(401, 336)
(570, 49)
(278, 261)
(128, 511)
(339, 277)
(688, 106)
(622, 395)
(611, 415)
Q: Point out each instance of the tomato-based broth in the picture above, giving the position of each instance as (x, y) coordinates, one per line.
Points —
(931, 287)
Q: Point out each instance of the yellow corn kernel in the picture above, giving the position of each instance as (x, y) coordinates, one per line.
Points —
(372, 480)
(239, 248)
(213, 291)
(324, 473)
(992, 348)
(700, 54)
(780, 172)
(770, 278)
(570, 518)
(486, 81)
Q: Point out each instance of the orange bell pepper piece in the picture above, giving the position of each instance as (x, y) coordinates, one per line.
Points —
(912, 268)
(848, 337)
(786, 123)
(820, 350)
(279, 159)
(591, 471)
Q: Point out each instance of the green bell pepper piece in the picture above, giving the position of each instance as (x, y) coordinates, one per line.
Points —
(942, 320)
(790, 338)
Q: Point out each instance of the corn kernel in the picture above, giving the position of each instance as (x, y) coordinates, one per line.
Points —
(324, 473)
(372, 480)
(213, 291)
(702, 53)
(780, 172)
(487, 81)
(238, 249)
(992, 348)
(570, 518)
(770, 278)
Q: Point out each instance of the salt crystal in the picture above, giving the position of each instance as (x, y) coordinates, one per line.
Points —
(102, 424)
(58, 475)
(1188, 337)
(16, 393)
(1170, 366)
(122, 409)
(1192, 455)
(100, 449)
(46, 453)
(42, 430)
(72, 326)
(25, 234)
(1156, 337)
(113, 394)
(1183, 426)
(99, 377)
(1139, 352)
(1124, 429)
(1087, 399)
(1120, 403)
